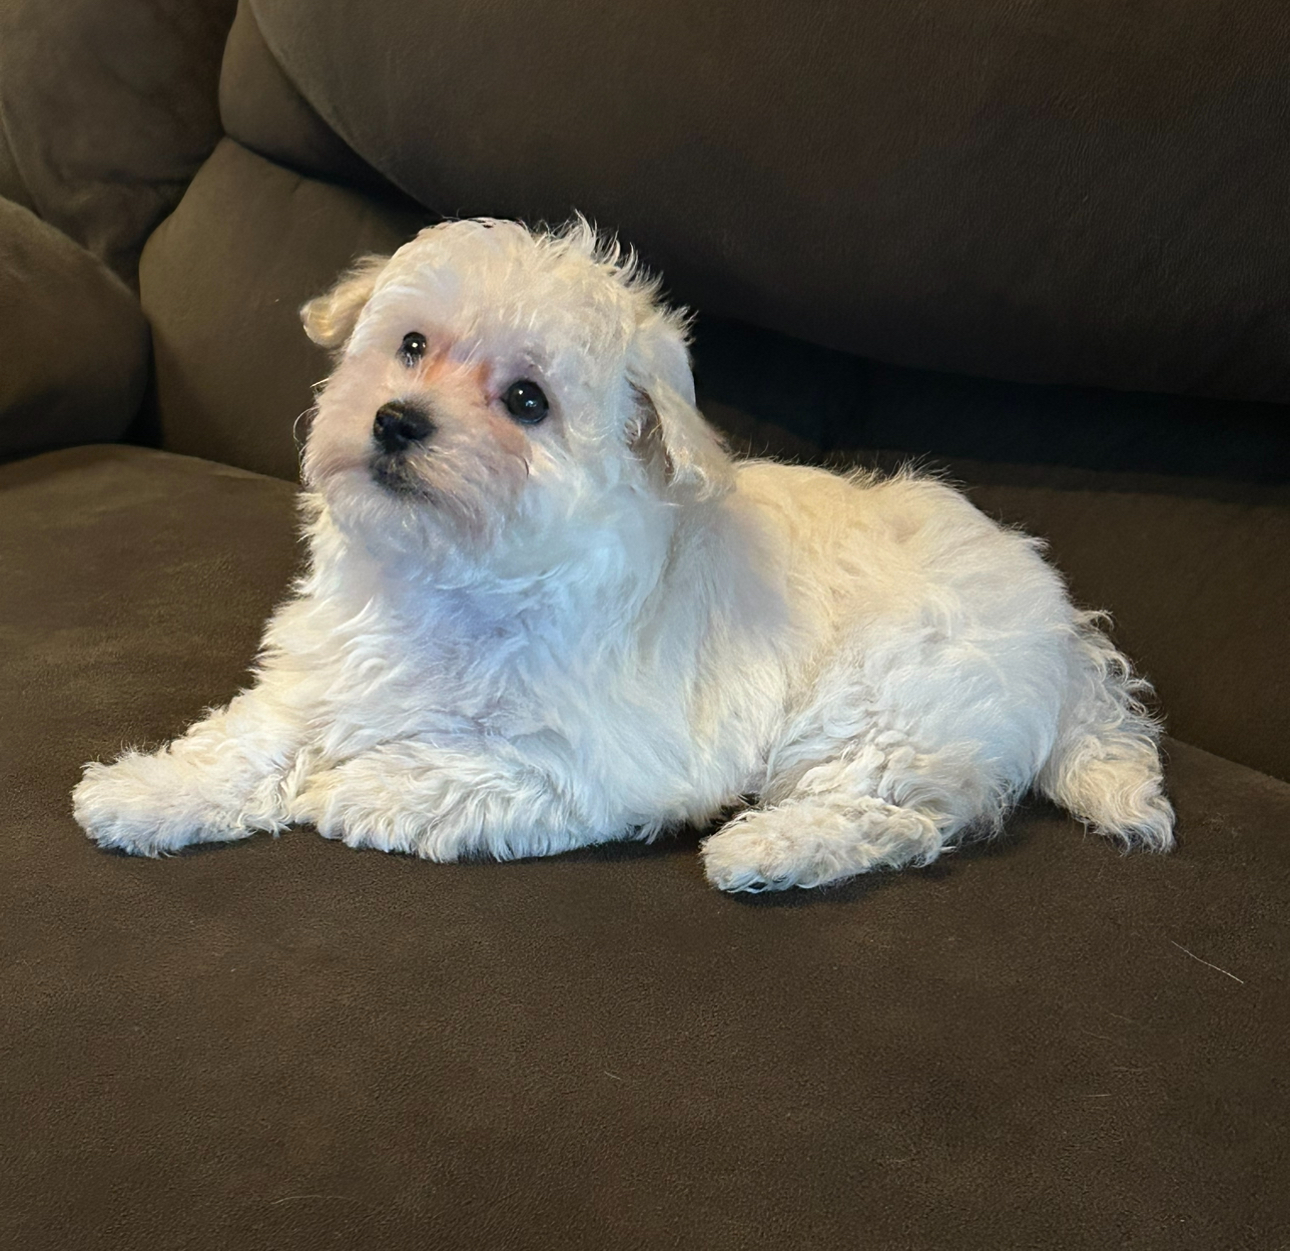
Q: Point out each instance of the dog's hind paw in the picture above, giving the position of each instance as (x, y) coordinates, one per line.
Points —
(762, 851)
(813, 844)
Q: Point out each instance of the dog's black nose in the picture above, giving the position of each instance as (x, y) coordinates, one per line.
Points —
(398, 425)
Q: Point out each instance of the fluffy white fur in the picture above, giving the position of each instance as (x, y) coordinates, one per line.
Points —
(530, 639)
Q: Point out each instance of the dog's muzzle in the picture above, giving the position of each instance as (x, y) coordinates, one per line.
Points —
(400, 425)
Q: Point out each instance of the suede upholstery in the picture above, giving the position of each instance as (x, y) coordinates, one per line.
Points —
(1018, 191)
(263, 110)
(285, 1044)
(288, 1044)
(75, 342)
(106, 111)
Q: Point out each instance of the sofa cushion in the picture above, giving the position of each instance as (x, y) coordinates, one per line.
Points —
(75, 342)
(769, 385)
(263, 111)
(285, 1043)
(107, 111)
(1038, 193)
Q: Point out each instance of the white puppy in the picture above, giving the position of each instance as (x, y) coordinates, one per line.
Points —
(545, 609)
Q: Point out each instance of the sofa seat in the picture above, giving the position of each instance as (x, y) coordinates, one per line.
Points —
(287, 1044)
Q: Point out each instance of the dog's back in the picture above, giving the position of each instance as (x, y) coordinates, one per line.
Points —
(957, 632)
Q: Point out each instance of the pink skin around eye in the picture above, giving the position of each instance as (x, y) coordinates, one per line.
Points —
(471, 382)
(510, 438)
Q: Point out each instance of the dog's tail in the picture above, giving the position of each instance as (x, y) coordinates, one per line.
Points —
(1105, 765)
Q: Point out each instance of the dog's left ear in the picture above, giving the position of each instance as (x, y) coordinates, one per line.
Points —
(669, 426)
(329, 319)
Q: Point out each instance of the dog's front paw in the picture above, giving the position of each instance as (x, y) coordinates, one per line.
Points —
(145, 805)
(440, 806)
(362, 807)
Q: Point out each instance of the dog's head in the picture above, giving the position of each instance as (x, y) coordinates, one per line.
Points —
(492, 382)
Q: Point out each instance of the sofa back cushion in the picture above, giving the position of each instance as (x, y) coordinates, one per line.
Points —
(75, 345)
(1066, 192)
(107, 108)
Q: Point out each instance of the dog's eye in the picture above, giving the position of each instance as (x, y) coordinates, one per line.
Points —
(526, 402)
(413, 347)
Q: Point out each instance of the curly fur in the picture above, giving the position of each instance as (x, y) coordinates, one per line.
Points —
(530, 639)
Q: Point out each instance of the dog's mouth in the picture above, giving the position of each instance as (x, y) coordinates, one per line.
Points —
(391, 473)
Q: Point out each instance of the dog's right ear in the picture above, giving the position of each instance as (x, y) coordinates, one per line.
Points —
(329, 319)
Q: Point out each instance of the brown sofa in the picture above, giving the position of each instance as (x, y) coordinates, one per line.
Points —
(1042, 246)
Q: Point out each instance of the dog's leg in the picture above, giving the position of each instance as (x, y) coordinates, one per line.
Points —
(220, 781)
(881, 807)
(442, 803)
(812, 843)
